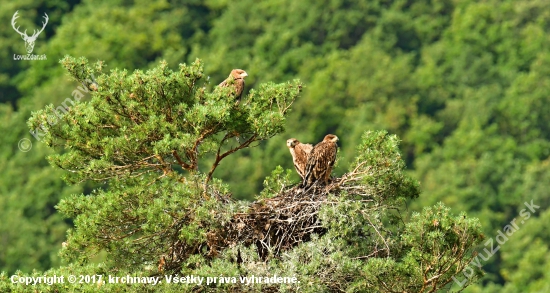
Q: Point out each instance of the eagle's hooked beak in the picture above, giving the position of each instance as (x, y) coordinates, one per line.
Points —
(244, 74)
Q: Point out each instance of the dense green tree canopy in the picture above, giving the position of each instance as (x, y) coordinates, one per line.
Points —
(463, 84)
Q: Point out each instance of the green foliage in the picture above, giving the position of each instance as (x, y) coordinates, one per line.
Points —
(378, 153)
(110, 31)
(31, 229)
(148, 122)
(136, 225)
(462, 83)
(129, 135)
(275, 183)
(366, 245)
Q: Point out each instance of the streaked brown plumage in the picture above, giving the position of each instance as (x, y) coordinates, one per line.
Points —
(300, 152)
(321, 160)
(236, 81)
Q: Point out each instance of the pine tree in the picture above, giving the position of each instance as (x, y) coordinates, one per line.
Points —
(154, 140)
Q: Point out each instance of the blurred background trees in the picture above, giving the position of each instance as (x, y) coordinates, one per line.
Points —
(465, 85)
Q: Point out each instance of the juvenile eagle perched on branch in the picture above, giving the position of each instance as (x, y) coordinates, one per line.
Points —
(300, 153)
(321, 160)
(235, 80)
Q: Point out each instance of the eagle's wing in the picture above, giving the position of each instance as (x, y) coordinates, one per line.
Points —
(320, 162)
(309, 177)
(330, 158)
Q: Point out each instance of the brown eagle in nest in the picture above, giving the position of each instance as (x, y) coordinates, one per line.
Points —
(321, 160)
(300, 153)
(236, 82)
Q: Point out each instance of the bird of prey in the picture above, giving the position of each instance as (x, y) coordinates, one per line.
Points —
(235, 80)
(321, 160)
(300, 152)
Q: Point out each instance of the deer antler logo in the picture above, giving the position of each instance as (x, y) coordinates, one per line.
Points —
(29, 41)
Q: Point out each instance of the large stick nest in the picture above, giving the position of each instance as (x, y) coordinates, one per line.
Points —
(275, 224)
(282, 222)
